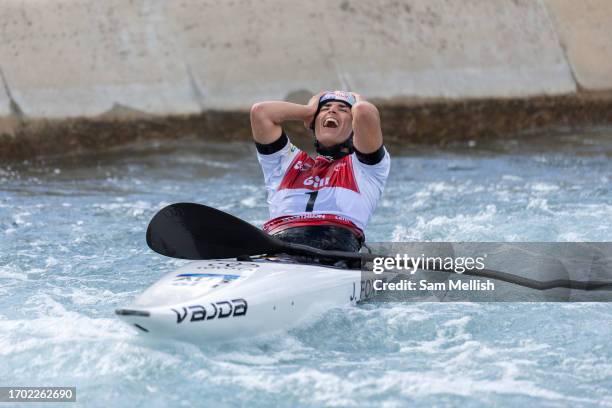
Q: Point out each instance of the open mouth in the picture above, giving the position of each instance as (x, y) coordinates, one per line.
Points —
(330, 123)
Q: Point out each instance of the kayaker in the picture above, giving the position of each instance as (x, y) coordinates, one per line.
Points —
(324, 202)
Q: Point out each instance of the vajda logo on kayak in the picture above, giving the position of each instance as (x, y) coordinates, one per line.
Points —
(217, 310)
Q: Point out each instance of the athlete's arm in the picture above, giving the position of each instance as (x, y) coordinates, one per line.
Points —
(267, 117)
(366, 126)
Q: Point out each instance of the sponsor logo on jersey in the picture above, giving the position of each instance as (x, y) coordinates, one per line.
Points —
(339, 166)
(301, 166)
(316, 181)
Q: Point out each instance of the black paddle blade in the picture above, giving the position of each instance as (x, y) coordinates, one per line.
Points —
(195, 231)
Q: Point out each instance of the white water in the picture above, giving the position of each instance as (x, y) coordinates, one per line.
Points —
(72, 249)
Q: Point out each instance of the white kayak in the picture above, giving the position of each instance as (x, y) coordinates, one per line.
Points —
(220, 300)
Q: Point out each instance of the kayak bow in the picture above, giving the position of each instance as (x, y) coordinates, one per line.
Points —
(227, 299)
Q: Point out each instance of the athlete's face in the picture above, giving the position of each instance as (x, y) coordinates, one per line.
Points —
(334, 123)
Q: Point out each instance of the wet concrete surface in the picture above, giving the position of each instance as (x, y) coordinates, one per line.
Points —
(442, 123)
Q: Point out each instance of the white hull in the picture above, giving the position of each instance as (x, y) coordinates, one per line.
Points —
(223, 300)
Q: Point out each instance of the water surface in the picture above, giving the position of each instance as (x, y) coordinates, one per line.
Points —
(72, 249)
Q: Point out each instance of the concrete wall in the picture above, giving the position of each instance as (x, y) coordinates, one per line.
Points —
(67, 58)
(585, 31)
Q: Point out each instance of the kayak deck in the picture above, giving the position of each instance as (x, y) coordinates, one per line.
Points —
(217, 300)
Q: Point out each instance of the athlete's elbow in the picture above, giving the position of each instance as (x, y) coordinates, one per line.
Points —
(261, 116)
(365, 111)
(258, 110)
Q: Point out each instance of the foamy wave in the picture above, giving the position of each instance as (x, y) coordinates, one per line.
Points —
(458, 228)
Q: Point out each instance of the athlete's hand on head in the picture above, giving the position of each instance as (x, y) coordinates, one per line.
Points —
(313, 104)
